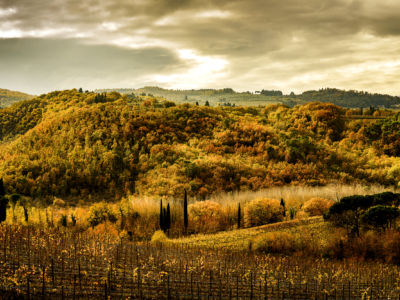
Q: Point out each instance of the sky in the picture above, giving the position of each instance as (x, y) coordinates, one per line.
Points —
(247, 45)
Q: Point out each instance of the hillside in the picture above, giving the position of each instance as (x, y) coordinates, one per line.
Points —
(7, 97)
(240, 239)
(350, 98)
(214, 97)
(79, 144)
(227, 96)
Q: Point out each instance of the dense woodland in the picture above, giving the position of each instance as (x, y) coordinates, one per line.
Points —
(227, 96)
(8, 97)
(81, 144)
(349, 98)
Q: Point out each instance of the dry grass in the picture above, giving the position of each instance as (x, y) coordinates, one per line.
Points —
(294, 196)
(148, 208)
(241, 239)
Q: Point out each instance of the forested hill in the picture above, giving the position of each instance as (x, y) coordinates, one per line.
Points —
(350, 98)
(77, 144)
(8, 97)
(227, 96)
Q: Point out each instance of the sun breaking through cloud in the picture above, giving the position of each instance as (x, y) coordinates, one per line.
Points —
(244, 44)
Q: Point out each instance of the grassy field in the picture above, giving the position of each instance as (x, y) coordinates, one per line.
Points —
(241, 239)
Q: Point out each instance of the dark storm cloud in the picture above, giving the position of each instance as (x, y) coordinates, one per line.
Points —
(246, 44)
(58, 64)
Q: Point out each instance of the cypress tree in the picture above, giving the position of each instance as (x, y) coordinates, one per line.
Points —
(26, 214)
(239, 216)
(3, 208)
(283, 207)
(185, 212)
(161, 216)
(168, 221)
(164, 213)
(3, 202)
(2, 190)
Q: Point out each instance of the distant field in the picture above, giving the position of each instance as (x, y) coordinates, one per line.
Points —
(214, 99)
(227, 96)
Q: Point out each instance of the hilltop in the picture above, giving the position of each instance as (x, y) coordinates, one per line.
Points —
(70, 143)
(7, 97)
(228, 97)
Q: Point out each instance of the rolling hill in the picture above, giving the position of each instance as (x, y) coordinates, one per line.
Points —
(7, 97)
(70, 143)
(228, 97)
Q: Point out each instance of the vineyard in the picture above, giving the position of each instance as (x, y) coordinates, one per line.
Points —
(58, 263)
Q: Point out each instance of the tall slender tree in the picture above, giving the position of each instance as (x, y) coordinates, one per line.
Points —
(161, 216)
(239, 217)
(3, 202)
(185, 212)
(283, 205)
(2, 190)
(3, 208)
(168, 218)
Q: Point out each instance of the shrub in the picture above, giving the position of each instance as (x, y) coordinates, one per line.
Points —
(99, 213)
(336, 245)
(317, 206)
(159, 237)
(105, 231)
(128, 214)
(275, 242)
(206, 215)
(391, 249)
(301, 215)
(262, 211)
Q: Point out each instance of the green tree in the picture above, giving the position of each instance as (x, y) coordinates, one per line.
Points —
(239, 216)
(3, 208)
(168, 218)
(2, 190)
(162, 222)
(348, 211)
(380, 216)
(283, 205)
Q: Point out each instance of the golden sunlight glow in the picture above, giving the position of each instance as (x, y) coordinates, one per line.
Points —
(202, 70)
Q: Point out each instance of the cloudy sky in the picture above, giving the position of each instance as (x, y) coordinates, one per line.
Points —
(291, 45)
